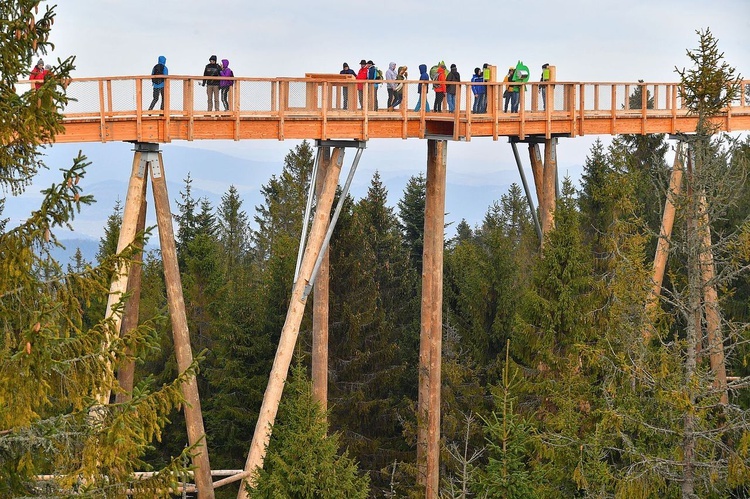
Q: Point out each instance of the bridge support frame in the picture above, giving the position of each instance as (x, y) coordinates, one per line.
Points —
(148, 160)
(315, 249)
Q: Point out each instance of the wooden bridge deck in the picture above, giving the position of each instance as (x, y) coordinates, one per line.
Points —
(115, 109)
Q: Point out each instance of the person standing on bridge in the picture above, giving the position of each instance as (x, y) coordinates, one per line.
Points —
(372, 74)
(38, 74)
(225, 85)
(361, 75)
(158, 83)
(439, 89)
(479, 91)
(398, 91)
(390, 76)
(423, 88)
(345, 90)
(450, 91)
(543, 88)
(508, 94)
(212, 86)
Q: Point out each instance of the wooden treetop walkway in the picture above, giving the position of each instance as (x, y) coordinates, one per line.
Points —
(108, 109)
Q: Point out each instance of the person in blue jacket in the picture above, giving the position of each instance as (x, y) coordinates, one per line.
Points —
(479, 91)
(423, 75)
(158, 83)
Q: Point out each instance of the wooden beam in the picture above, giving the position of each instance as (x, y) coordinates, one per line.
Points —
(320, 306)
(549, 184)
(290, 331)
(665, 234)
(430, 350)
(126, 373)
(133, 204)
(183, 351)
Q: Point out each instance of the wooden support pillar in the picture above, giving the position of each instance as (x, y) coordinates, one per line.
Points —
(711, 303)
(180, 332)
(549, 184)
(134, 200)
(320, 306)
(126, 372)
(665, 234)
(290, 331)
(430, 347)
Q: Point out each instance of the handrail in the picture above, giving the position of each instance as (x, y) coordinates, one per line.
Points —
(572, 108)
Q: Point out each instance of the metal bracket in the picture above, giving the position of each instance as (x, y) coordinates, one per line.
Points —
(149, 155)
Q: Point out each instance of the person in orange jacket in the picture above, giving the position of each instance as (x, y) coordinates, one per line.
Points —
(439, 89)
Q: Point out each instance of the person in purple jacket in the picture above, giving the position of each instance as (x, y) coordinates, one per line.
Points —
(224, 85)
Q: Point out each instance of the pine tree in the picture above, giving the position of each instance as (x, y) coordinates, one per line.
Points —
(375, 334)
(557, 347)
(411, 214)
(53, 365)
(303, 460)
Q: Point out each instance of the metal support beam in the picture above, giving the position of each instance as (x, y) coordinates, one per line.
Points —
(532, 209)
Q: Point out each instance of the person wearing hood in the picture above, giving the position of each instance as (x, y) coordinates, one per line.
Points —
(390, 76)
(225, 85)
(423, 87)
(398, 90)
(439, 89)
(450, 90)
(37, 74)
(212, 86)
(158, 83)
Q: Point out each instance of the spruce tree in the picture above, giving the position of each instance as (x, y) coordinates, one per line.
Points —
(303, 460)
(52, 364)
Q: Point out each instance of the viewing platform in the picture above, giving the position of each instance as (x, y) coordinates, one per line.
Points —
(107, 109)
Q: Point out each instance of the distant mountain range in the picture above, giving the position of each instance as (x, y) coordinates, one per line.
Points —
(468, 195)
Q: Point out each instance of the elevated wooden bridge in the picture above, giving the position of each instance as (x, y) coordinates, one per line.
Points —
(116, 109)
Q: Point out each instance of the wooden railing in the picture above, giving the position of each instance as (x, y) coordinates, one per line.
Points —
(572, 108)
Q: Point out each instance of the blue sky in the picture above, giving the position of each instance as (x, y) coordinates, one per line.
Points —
(587, 40)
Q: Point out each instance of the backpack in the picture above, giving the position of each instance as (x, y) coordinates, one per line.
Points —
(378, 76)
(158, 70)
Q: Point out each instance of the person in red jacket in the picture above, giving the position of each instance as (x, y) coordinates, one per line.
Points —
(38, 74)
(362, 75)
(439, 89)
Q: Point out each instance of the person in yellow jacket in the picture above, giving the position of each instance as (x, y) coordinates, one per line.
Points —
(543, 88)
(510, 91)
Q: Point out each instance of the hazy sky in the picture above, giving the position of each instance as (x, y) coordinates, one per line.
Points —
(587, 40)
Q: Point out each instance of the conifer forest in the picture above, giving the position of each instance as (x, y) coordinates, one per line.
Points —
(565, 374)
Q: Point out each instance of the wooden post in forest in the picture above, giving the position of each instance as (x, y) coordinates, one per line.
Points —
(430, 345)
(549, 184)
(545, 181)
(290, 331)
(178, 317)
(134, 199)
(126, 373)
(320, 305)
(711, 304)
(665, 234)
